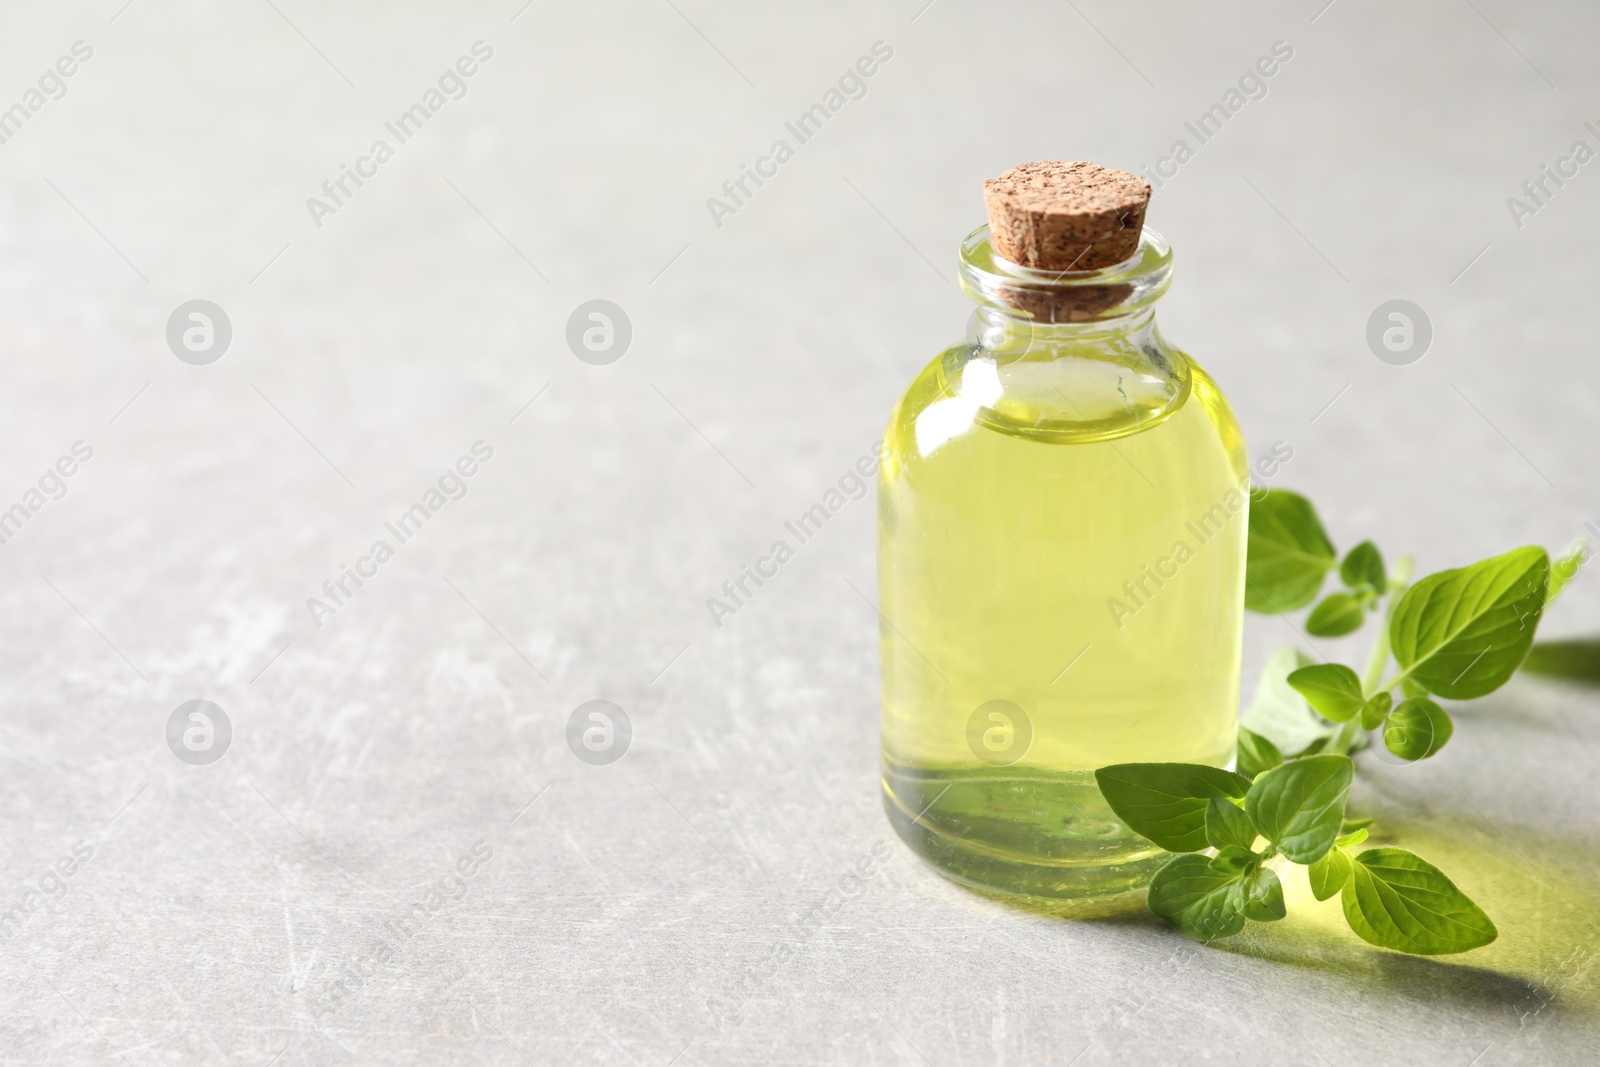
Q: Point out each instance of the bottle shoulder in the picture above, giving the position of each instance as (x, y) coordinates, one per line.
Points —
(1220, 414)
(1058, 395)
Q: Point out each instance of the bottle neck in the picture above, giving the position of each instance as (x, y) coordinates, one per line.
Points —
(1004, 329)
(1064, 298)
(1068, 356)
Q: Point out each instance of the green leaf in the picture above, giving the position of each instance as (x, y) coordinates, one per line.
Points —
(1313, 748)
(1397, 900)
(1363, 566)
(1288, 552)
(1166, 802)
(1332, 688)
(1412, 689)
(1255, 753)
(1462, 633)
(1576, 660)
(1350, 825)
(1259, 895)
(1329, 874)
(1351, 839)
(1300, 805)
(1417, 729)
(1196, 898)
(1232, 859)
(1227, 824)
(1374, 711)
(1337, 615)
(1280, 714)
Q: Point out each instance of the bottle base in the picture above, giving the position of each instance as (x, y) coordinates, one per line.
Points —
(1047, 839)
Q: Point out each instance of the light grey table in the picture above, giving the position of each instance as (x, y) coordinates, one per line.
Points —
(683, 904)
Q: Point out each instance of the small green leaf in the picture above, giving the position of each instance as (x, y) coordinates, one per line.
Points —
(1329, 874)
(1332, 688)
(1231, 859)
(1227, 824)
(1363, 566)
(1196, 898)
(1350, 840)
(1337, 615)
(1255, 753)
(1280, 714)
(1462, 633)
(1288, 552)
(1417, 729)
(1397, 900)
(1299, 806)
(1166, 802)
(1374, 711)
(1351, 825)
(1313, 748)
(1259, 895)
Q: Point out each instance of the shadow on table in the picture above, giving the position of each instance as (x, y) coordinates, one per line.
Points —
(1545, 961)
(1543, 894)
(1574, 660)
(1541, 890)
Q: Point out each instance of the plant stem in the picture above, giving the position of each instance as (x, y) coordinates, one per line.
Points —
(1398, 583)
(1379, 659)
(1346, 736)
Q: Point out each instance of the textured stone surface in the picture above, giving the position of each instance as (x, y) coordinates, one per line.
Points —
(621, 904)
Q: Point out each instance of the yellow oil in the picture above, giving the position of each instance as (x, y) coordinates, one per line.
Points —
(1061, 573)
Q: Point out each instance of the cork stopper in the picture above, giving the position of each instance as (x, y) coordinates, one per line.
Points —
(1071, 216)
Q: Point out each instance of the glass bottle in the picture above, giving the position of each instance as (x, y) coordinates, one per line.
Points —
(1062, 507)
